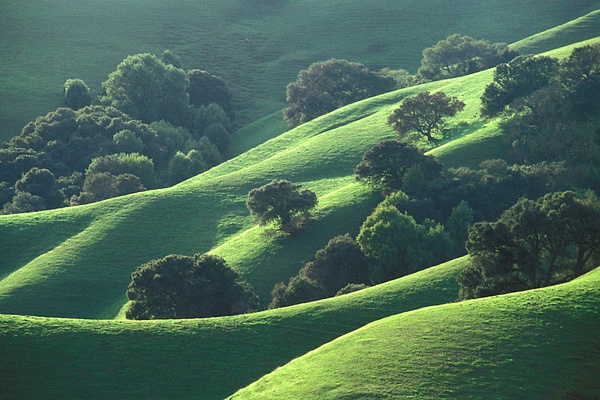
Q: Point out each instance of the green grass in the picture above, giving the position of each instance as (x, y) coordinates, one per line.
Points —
(257, 49)
(203, 358)
(77, 263)
(95, 248)
(539, 344)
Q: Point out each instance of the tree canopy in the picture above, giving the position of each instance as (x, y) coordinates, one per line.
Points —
(533, 244)
(425, 114)
(519, 78)
(281, 201)
(179, 286)
(149, 90)
(328, 85)
(385, 165)
(459, 55)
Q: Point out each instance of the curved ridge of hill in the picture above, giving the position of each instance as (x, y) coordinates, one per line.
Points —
(537, 344)
(206, 358)
(77, 262)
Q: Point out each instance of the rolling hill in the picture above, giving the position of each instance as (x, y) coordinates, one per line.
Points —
(257, 46)
(202, 358)
(63, 275)
(538, 344)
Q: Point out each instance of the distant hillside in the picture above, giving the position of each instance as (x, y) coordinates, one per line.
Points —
(539, 344)
(257, 46)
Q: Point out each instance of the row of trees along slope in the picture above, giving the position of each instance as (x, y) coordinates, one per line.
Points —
(533, 243)
(156, 124)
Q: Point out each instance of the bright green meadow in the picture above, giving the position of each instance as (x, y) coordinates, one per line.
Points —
(63, 273)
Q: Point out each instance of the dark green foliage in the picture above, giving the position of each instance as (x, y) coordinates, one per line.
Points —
(332, 268)
(104, 185)
(559, 122)
(459, 55)
(583, 64)
(77, 94)
(398, 246)
(384, 165)
(149, 90)
(104, 140)
(533, 244)
(188, 287)
(122, 163)
(521, 77)
(495, 186)
(299, 289)
(281, 201)
(425, 114)
(341, 262)
(170, 58)
(24, 202)
(458, 225)
(328, 85)
(350, 288)
(206, 88)
(218, 136)
(41, 183)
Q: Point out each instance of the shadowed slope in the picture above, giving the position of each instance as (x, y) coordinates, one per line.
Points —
(202, 358)
(539, 344)
(257, 46)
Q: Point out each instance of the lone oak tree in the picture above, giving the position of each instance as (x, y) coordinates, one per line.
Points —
(179, 286)
(425, 114)
(328, 85)
(281, 201)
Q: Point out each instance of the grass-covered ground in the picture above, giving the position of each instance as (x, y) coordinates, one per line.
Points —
(201, 359)
(539, 344)
(82, 265)
(257, 46)
(77, 263)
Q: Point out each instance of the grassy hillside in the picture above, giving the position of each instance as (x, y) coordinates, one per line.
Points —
(540, 344)
(258, 46)
(203, 358)
(82, 269)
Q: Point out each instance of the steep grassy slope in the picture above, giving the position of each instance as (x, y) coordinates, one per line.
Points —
(83, 268)
(257, 46)
(202, 359)
(86, 274)
(540, 344)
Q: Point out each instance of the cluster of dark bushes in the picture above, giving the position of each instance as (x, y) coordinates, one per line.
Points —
(155, 125)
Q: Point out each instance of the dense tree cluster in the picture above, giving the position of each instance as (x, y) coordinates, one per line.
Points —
(328, 85)
(156, 125)
(332, 269)
(388, 164)
(179, 286)
(281, 201)
(533, 244)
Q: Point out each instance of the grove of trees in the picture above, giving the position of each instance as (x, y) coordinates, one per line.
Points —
(155, 125)
(533, 244)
